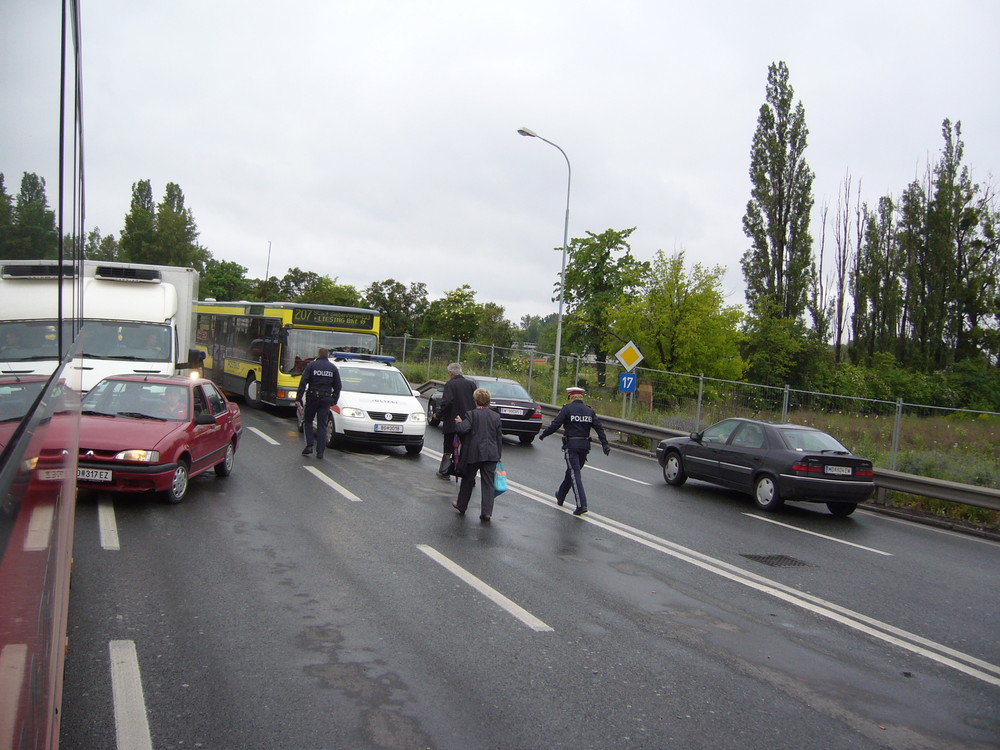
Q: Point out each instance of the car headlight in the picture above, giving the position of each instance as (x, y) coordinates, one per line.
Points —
(350, 411)
(418, 416)
(140, 456)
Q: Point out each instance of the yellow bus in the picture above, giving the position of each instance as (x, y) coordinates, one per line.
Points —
(258, 349)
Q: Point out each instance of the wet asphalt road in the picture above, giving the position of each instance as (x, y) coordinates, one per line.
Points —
(344, 604)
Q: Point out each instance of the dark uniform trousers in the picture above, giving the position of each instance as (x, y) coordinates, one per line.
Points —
(317, 408)
(575, 452)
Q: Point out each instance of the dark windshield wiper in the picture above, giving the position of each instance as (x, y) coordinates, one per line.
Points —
(93, 355)
(92, 412)
(139, 415)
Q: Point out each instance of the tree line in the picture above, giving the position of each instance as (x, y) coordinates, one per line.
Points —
(907, 307)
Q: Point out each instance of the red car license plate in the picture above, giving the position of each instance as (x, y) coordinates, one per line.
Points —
(94, 475)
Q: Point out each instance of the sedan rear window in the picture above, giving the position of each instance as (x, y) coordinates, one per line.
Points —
(810, 440)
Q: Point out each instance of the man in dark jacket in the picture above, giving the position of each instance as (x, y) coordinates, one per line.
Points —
(576, 419)
(455, 402)
(320, 385)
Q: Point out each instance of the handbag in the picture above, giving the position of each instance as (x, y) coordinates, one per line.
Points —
(500, 479)
(454, 456)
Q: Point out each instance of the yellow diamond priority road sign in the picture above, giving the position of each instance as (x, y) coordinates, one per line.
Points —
(629, 355)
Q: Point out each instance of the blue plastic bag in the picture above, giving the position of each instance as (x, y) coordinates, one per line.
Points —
(500, 479)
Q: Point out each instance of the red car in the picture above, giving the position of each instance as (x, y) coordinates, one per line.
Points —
(152, 433)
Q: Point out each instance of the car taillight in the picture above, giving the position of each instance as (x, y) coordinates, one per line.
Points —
(538, 412)
(864, 473)
(808, 468)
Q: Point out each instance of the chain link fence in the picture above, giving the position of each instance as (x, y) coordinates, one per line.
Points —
(958, 445)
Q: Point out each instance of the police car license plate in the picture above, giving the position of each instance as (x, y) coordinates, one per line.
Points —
(388, 428)
(94, 475)
(511, 412)
(844, 470)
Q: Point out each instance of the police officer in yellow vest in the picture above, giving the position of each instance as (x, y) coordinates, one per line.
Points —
(576, 419)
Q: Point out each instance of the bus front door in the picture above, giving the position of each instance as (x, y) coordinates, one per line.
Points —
(269, 360)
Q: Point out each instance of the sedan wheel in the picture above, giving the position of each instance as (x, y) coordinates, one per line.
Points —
(179, 484)
(765, 492)
(673, 470)
(842, 510)
(225, 467)
(525, 439)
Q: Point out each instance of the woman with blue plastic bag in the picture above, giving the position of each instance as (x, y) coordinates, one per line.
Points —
(482, 446)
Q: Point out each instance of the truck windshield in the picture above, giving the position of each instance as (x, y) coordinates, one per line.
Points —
(109, 339)
(31, 340)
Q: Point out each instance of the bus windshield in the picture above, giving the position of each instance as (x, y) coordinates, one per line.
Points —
(303, 343)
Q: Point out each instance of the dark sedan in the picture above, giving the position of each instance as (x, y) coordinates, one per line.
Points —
(771, 461)
(519, 413)
(151, 433)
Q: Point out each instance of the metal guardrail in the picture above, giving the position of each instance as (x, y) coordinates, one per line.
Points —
(885, 479)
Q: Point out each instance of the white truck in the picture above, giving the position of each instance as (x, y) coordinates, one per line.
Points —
(135, 318)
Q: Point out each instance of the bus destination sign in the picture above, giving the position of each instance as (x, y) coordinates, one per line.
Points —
(333, 319)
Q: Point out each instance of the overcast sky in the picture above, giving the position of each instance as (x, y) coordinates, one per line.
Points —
(374, 139)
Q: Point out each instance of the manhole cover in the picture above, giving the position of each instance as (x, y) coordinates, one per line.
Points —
(778, 561)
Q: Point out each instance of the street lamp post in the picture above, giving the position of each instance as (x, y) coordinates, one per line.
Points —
(562, 272)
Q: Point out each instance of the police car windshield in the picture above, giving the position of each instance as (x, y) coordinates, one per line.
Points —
(387, 382)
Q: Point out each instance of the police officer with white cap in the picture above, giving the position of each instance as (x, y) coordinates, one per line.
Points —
(576, 419)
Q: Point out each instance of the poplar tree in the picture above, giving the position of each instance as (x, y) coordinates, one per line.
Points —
(33, 229)
(6, 219)
(135, 243)
(777, 266)
(176, 237)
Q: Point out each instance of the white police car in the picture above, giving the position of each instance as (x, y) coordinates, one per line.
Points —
(376, 407)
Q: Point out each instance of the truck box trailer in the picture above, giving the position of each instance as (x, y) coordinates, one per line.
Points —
(133, 318)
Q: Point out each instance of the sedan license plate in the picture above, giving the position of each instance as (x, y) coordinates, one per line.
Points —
(94, 475)
(511, 412)
(388, 428)
(842, 470)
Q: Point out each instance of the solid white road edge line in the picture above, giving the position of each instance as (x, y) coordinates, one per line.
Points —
(619, 476)
(263, 436)
(965, 663)
(131, 723)
(821, 536)
(488, 591)
(107, 524)
(326, 480)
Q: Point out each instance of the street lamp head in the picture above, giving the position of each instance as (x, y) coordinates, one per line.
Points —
(528, 132)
